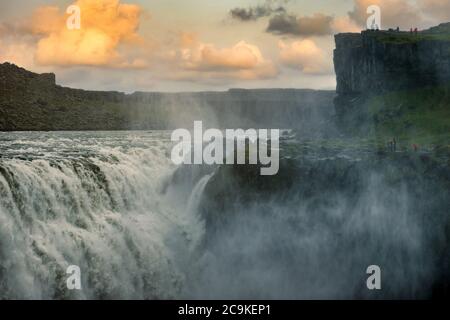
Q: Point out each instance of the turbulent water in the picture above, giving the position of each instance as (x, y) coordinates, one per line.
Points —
(96, 200)
(138, 227)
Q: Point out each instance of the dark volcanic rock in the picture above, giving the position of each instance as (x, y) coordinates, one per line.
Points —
(30, 101)
(378, 61)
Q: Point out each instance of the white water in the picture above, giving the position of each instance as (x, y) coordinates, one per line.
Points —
(95, 200)
(113, 204)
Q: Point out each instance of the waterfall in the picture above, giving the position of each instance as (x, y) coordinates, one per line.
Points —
(95, 202)
(192, 210)
(195, 197)
(114, 205)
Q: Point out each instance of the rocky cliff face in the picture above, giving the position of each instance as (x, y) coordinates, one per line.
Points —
(380, 61)
(392, 66)
(30, 101)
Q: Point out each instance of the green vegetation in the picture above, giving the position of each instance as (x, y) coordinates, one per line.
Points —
(421, 115)
(416, 116)
(438, 33)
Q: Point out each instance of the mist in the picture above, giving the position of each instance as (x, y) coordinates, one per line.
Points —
(313, 241)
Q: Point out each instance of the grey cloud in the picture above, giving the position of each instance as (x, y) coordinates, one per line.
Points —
(267, 9)
(286, 24)
(439, 10)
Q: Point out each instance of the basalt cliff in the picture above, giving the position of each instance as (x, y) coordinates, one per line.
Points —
(392, 79)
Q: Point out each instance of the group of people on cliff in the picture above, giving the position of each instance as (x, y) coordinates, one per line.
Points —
(392, 146)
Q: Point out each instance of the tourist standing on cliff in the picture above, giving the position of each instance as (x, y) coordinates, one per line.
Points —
(392, 145)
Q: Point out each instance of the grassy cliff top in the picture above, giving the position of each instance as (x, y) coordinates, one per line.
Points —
(438, 33)
(394, 37)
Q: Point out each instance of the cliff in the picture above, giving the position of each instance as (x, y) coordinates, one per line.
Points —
(389, 82)
(30, 101)
(380, 61)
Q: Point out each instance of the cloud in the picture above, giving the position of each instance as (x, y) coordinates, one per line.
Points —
(16, 44)
(3, 30)
(402, 13)
(106, 27)
(241, 61)
(305, 55)
(438, 9)
(285, 24)
(254, 13)
(345, 24)
(20, 53)
(394, 13)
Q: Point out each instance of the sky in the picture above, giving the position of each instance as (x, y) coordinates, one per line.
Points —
(193, 45)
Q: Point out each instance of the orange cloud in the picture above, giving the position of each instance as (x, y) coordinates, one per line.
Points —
(106, 26)
(188, 39)
(242, 61)
(304, 55)
(20, 53)
(345, 24)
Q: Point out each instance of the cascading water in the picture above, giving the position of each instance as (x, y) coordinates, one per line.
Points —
(139, 227)
(95, 201)
(192, 209)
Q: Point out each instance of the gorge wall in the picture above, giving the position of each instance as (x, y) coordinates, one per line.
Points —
(30, 101)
